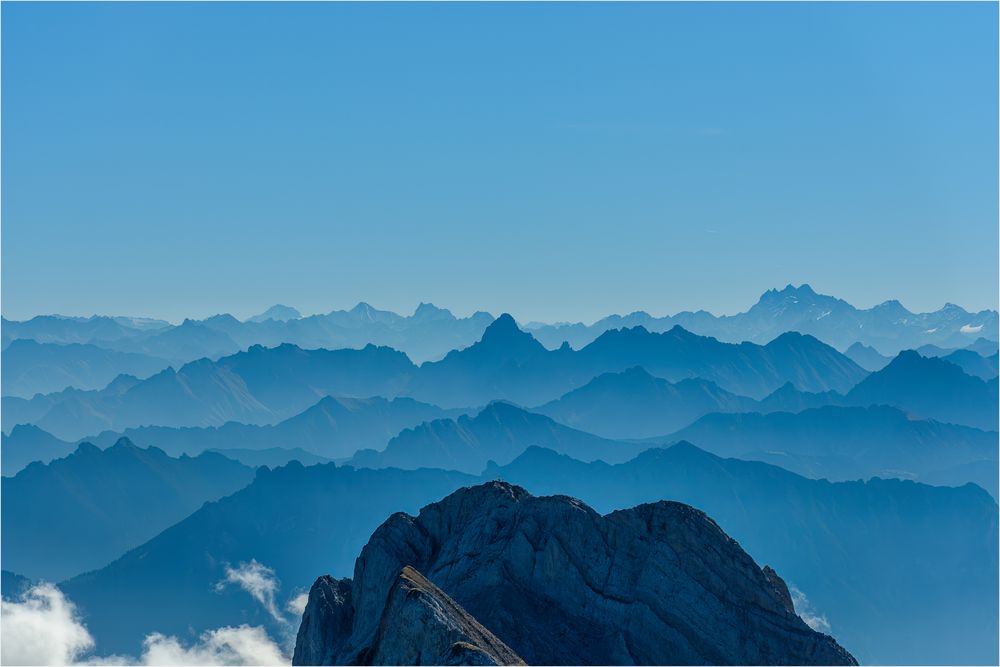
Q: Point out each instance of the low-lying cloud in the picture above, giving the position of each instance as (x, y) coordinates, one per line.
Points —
(806, 612)
(259, 581)
(243, 645)
(297, 605)
(42, 627)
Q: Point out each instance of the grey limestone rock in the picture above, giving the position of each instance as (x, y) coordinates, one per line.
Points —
(560, 584)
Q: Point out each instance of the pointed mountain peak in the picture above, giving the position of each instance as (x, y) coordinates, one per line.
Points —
(87, 449)
(501, 409)
(123, 444)
(428, 311)
(891, 304)
(503, 329)
(278, 312)
(803, 289)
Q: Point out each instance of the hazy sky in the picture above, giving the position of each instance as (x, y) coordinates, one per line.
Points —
(554, 161)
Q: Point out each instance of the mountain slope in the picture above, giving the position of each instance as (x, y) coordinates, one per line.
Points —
(296, 520)
(27, 443)
(78, 513)
(972, 363)
(930, 387)
(855, 549)
(31, 368)
(843, 443)
(867, 357)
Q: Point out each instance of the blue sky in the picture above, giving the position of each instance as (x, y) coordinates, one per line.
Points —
(556, 161)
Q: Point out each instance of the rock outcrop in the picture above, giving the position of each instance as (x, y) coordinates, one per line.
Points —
(558, 583)
(420, 625)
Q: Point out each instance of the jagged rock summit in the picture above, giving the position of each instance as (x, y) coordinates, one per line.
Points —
(558, 584)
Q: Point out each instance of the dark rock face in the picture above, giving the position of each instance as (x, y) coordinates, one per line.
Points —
(420, 625)
(325, 622)
(560, 584)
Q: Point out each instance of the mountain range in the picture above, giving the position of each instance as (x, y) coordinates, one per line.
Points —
(845, 443)
(267, 385)
(887, 327)
(333, 428)
(431, 332)
(30, 367)
(632, 404)
(831, 541)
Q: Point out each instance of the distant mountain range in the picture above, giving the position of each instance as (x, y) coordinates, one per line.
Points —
(267, 385)
(79, 512)
(631, 404)
(845, 443)
(333, 428)
(30, 367)
(829, 540)
(431, 332)
(427, 334)
(887, 327)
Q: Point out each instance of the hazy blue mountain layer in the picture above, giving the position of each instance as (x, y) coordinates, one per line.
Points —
(427, 334)
(272, 457)
(930, 387)
(80, 512)
(901, 572)
(867, 357)
(431, 332)
(888, 327)
(846, 443)
(634, 404)
(31, 368)
(333, 428)
(499, 433)
(27, 443)
(266, 385)
(973, 363)
(510, 364)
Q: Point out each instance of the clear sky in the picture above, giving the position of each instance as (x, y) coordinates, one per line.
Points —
(557, 161)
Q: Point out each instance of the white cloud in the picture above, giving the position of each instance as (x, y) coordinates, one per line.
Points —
(41, 628)
(244, 645)
(297, 605)
(969, 329)
(805, 610)
(259, 581)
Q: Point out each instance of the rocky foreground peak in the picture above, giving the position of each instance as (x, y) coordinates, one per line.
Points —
(492, 574)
